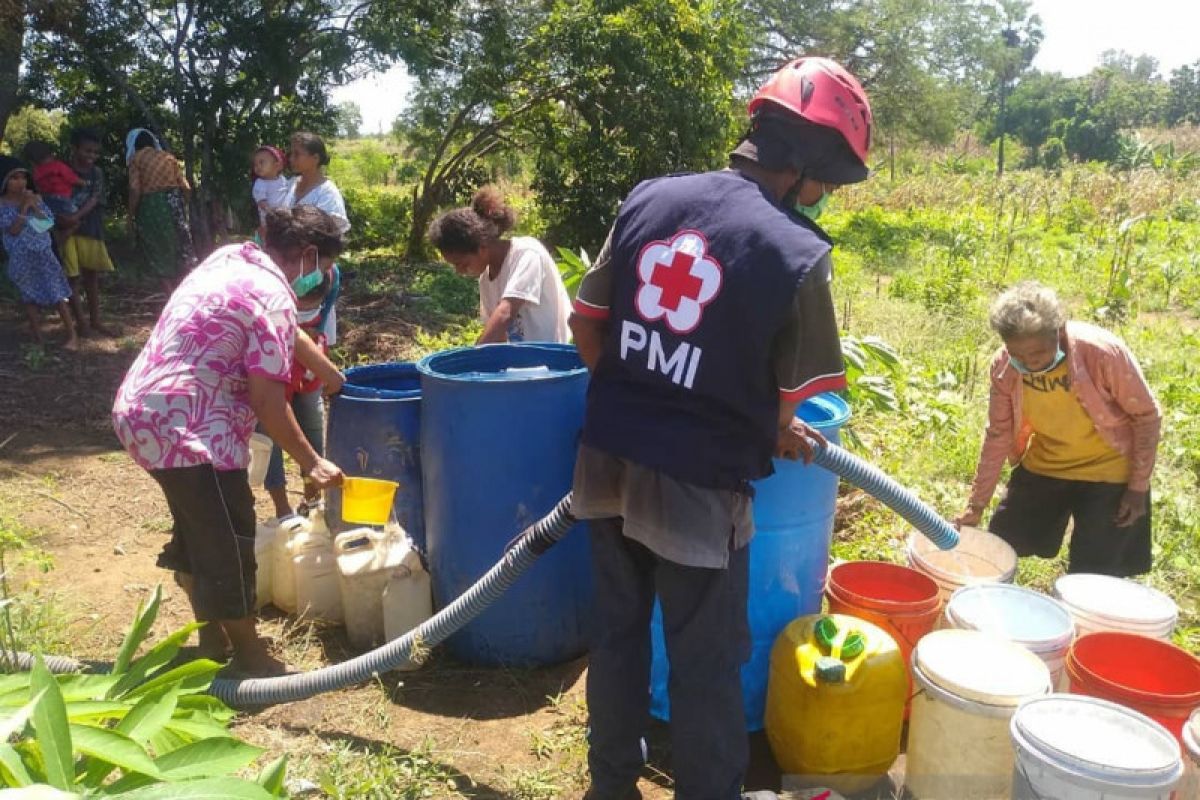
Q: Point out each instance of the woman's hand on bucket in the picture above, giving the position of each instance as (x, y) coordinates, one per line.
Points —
(971, 518)
(325, 474)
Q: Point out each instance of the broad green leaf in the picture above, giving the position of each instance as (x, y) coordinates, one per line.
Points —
(155, 659)
(14, 683)
(210, 789)
(149, 715)
(273, 776)
(116, 749)
(167, 740)
(91, 712)
(50, 724)
(75, 688)
(137, 633)
(207, 703)
(40, 792)
(192, 677)
(13, 723)
(15, 772)
(207, 758)
(198, 727)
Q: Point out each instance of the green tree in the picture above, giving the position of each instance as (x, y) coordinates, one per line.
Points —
(348, 120)
(219, 76)
(31, 123)
(1013, 50)
(1183, 99)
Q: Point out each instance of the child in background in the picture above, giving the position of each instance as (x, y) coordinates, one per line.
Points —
(270, 189)
(84, 256)
(313, 375)
(25, 222)
(55, 181)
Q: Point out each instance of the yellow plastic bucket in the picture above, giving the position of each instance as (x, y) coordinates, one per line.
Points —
(367, 501)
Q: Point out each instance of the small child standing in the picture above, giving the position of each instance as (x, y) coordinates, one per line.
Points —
(55, 181)
(270, 189)
(25, 222)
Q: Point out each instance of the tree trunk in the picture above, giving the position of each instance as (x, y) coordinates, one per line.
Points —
(1003, 129)
(12, 35)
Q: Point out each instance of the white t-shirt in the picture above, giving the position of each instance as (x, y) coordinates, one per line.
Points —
(324, 196)
(274, 192)
(528, 273)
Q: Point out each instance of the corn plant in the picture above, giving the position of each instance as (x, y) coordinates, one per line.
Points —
(143, 730)
(572, 267)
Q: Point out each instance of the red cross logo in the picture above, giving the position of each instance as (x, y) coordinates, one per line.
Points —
(678, 277)
(676, 281)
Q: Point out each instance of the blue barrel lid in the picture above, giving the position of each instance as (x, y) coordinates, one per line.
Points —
(504, 363)
(394, 380)
(824, 411)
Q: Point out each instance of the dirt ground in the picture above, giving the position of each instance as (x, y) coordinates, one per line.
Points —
(482, 733)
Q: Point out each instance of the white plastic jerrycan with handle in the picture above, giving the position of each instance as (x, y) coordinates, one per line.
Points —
(407, 602)
(315, 563)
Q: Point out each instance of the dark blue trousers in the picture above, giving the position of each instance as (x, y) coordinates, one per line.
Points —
(708, 639)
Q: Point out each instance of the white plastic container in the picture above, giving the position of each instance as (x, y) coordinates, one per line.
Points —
(1072, 747)
(1105, 603)
(283, 569)
(968, 685)
(1191, 746)
(364, 556)
(1038, 623)
(260, 457)
(318, 595)
(407, 602)
(980, 557)
(264, 560)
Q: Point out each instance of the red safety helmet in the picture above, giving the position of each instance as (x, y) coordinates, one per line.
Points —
(824, 93)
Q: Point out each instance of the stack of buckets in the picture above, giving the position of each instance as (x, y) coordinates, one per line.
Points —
(984, 720)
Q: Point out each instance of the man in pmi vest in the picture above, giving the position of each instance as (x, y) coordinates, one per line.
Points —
(705, 321)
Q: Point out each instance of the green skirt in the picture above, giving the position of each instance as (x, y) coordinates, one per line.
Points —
(164, 241)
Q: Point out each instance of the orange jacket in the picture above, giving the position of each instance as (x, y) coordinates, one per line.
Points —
(1107, 382)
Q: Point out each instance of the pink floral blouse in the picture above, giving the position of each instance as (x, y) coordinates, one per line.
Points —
(185, 401)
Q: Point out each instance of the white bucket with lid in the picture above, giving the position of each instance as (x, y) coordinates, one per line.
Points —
(1073, 747)
(1191, 744)
(1038, 623)
(1105, 603)
(968, 685)
(980, 557)
(260, 457)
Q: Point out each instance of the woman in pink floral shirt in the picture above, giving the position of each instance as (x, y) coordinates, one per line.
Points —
(218, 360)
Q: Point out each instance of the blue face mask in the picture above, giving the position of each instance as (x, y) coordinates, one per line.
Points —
(1024, 370)
(813, 211)
(305, 282)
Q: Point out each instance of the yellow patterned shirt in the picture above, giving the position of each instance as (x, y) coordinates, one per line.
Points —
(1065, 441)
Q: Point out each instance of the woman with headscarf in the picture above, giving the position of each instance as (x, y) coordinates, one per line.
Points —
(158, 198)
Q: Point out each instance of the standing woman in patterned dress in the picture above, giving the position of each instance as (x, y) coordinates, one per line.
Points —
(158, 198)
(219, 358)
(25, 222)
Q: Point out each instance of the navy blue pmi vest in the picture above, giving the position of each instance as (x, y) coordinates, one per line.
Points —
(705, 270)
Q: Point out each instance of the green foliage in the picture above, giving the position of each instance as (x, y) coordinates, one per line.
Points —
(378, 216)
(31, 123)
(142, 730)
(572, 267)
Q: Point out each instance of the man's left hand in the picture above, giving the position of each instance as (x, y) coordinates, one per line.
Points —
(796, 441)
(1131, 508)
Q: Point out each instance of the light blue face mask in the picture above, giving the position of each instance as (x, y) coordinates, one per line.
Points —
(1024, 370)
(305, 282)
(814, 211)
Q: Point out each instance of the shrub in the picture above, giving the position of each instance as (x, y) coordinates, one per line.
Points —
(379, 217)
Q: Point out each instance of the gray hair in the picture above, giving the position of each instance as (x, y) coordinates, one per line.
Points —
(1027, 309)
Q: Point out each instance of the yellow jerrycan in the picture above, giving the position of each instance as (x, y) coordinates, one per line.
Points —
(835, 702)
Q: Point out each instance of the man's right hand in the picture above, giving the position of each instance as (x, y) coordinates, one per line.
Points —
(325, 474)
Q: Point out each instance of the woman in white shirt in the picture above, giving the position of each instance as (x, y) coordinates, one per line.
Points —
(310, 187)
(521, 294)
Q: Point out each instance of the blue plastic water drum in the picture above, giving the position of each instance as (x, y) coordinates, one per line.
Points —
(499, 432)
(375, 432)
(789, 559)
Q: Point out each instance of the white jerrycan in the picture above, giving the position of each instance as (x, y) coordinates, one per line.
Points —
(362, 574)
(407, 602)
(315, 565)
(282, 570)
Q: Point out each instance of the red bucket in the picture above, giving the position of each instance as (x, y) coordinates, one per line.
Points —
(903, 602)
(1148, 675)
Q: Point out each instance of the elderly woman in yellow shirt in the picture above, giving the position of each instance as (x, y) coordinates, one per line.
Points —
(1071, 410)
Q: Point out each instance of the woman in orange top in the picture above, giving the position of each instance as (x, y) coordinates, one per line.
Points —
(158, 197)
(1071, 410)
